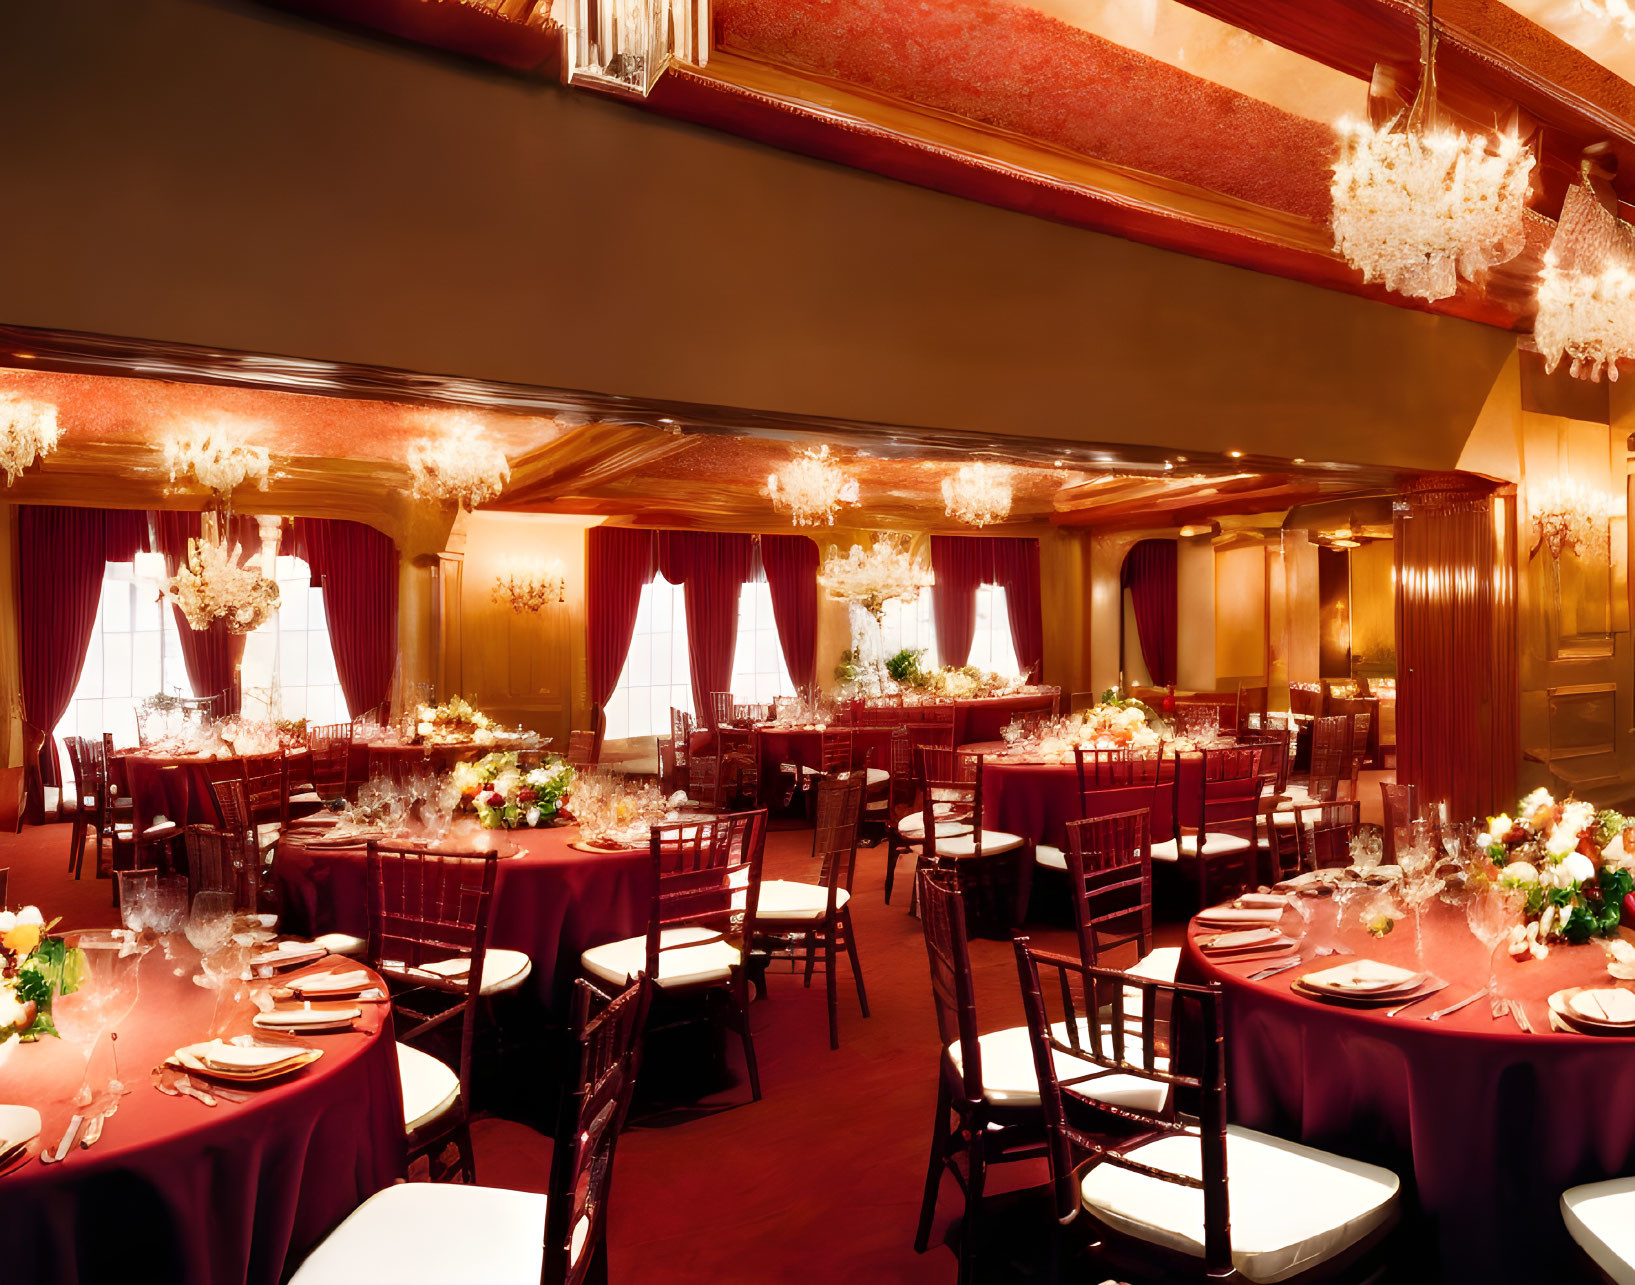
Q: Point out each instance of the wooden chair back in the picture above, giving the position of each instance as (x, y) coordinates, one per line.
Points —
(951, 780)
(700, 870)
(1077, 1124)
(838, 813)
(1109, 877)
(220, 861)
(581, 750)
(1330, 755)
(266, 785)
(330, 751)
(1323, 833)
(837, 748)
(1358, 754)
(1401, 806)
(720, 710)
(581, 1178)
(953, 990)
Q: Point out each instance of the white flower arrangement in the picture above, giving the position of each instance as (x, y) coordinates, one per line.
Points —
(216, 585)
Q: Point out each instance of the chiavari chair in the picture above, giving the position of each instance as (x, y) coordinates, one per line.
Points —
(905, 832)
(670, 778)
(220, 861)
(1357, 755)
(1109, 868)
(720, 710)
(329, 758)
(428, 937)
(494, 1234)
(1323, 834)
(581, 750)
(806, 918)
(953, 834)
(701, 920)
(738, 767)
(267, 789)
(148, 839)
(1217, 797)
(1114, 781)
(1145, 1185)
(1330, 754)
(93, 813)
(1401, 806)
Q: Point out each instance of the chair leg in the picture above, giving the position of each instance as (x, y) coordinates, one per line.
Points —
(829, 983)
(811, 957)
(76, 845)
(935, 1166)
(468, 1156)
(977, 1170)
(739, 999)
(891, 864)
(851, 952)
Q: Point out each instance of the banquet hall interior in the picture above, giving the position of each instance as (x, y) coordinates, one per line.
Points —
(608, 608)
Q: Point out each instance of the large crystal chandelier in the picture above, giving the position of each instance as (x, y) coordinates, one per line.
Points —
(871, 578)
(810, 488)
(978, 494)
(218, 583)
(1568, 515)
(216, 456)
(28, 431)
(1418, 204)
(459, 463)
(1586, 293)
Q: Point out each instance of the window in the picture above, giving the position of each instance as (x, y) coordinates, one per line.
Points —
(290, 655)
(991, 646)
(656, 674)
(906, 624)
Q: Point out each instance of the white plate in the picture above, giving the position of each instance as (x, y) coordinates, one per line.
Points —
(327, 983)
(1362, 977)
(1609, 1005)
(18, 1124)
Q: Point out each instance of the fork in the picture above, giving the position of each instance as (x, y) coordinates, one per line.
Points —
(1520, 1014)
(1437, 985)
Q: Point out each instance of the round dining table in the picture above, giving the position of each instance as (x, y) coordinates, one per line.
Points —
(551, 900)
(1486, 1124)
(179, 1192)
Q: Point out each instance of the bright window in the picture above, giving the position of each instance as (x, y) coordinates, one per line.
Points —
(656, 674)
(907, 624)
(288, 670)
(910, 624)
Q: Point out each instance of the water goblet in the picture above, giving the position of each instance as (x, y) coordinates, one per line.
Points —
(109, 984)
(1491, 913)
(169, 911)
(209, 923)
(136, 892)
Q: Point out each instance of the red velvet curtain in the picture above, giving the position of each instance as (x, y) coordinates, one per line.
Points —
(211, 655)
(618, 562)
(791, 565)
(62, 552)
(1458, 722)
(357, 566)
(961, 563)
(1150, 575)
(712, 567)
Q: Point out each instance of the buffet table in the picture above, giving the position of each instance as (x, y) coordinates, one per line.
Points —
(178, 1192)
(550, 901)
(1488, 1123)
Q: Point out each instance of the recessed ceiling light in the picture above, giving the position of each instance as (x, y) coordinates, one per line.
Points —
(1297, 460)
(1237, 455)
(1181, 459)
(1186, 531)
(1169, 464)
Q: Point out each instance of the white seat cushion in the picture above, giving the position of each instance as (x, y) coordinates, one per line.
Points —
(708, 963)
(964, 845)
(1600, 1217)
(877, 776)
(430, 1087)
(912, 826)
(1215, 845)
(785, 901)
(503, 970)
(1009, 1079)
(307, 796)
(1050, 858)
(342, 944)
(487, 1234)
(1157, 965)
(1291, 1207)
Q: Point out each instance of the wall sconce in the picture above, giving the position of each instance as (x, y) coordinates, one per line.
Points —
(530, 590)
(1567, 515)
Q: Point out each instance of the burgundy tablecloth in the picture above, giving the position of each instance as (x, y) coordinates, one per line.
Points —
(550, 901)
(185, 1194)
(1486, 1124)
(984, 718)
(805, 746)
(1034, 800)
(178, 788)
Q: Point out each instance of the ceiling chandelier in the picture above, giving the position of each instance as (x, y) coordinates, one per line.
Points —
(1418, 204)
(218, 583)
(458, 464)
(1586, 293)
(217, 456)
(28, 431)
(530, 590)
(978, 494)
(810, 488)
(1567, 515)
(871, 578)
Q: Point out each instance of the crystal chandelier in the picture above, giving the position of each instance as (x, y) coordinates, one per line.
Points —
(871, 578)
(978, 494)
(1586, 293)
(530, 590)
(217, 456)
(458, 464)
(810, 488)
(1567, 515)
(218, 583)
(1418, 204)
(28, 431)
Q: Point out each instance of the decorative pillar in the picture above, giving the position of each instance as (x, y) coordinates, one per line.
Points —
(1458, 722)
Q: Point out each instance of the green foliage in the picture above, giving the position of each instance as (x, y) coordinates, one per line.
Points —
(1608, 826)
(53, 969)
(849, 670)
(904, 667)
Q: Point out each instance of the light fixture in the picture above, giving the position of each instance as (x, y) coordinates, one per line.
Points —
(1236, 455)
(28, 431)
(1344, 538)
(458, 463)
(977, 494)
(530, 589)
(1567, 515)
(1586, 292)
(886, 572)
(810, 488)
(218, 583)
(625, 45)
(1612, 13)
(1418, 204)
(217, 455)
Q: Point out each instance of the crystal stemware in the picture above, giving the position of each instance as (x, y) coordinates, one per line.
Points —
(109, 983)
(136, 892)
(1491, 914)
(210, 924)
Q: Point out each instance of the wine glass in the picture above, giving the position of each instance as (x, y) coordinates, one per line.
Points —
(136, 891)
(109, 984)
(210, 924)
(1491, 914)
(225, 965)
(168, 911)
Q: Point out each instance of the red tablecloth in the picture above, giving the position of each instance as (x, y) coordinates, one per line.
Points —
(550, 901)
(1487, 1124)
(984, 718)
(805, 746)
(185, 1194)
(1034, 800)
(174, 787)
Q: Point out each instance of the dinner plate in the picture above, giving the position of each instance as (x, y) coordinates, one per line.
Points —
(1362, 977)
(322, 984)
(18, 1124)
(317, 1021)
(1241, 939)
(286, 957)
(1232, 917)
(191, 1062)
(1374, 999)
(602, 847)
(1562, 1005)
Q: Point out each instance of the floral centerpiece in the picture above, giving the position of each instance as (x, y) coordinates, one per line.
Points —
(1116, 722)
(1570, 862)
(456, 719)
(34, 967)
(506, 796)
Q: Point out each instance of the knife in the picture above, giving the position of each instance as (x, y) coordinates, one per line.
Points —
(1454, 1008)
(1275, 969)
(67, 1143)
(93, 1131)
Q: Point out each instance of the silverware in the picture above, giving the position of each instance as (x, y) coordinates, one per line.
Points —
(67, 1143)
(216, 1091)
(93, 1132)
(185, 1085)
(1454, 1008)
(1439, 985)
(11, 1153)
(1275, 969)
(1520, 1014)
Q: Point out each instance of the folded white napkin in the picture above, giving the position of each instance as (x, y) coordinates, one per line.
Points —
(1232, 916)
(1360, 975)
(1607, 1005)
(234, 1057)
(1244, 939)
(294, 1017)
(320, 982)
(1264, 900)
(290, 952)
